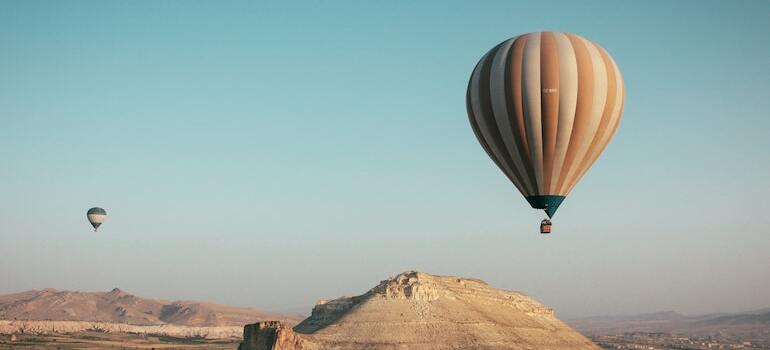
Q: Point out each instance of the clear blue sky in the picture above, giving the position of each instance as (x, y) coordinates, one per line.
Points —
(269, 155)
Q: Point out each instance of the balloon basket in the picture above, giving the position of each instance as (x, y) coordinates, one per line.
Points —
(545, 227)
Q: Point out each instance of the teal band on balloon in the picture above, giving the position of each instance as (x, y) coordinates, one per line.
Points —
(547, 203)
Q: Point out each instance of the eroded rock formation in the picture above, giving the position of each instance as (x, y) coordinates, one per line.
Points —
(415, 310)
(270, 335)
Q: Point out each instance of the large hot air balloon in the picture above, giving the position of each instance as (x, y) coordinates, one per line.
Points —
(544, 106)
(96, 217)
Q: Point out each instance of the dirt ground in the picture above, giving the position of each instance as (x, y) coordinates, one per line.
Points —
(96, 340)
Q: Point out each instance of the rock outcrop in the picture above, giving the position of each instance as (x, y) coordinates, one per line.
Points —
(270, 335)
(416, 310)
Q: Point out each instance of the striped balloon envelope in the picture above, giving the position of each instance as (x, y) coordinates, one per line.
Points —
(96, 217)
(544, 106)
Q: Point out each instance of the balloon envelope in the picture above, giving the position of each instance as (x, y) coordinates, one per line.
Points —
(544, 106)
(96, 217)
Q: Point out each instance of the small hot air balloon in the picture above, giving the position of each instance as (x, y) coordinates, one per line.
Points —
(96, 217)
(544, 106)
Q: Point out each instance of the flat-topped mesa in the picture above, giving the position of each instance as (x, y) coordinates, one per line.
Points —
(420, 286)
(416, 310)
(408, 285)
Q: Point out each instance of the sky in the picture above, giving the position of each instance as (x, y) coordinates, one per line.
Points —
(270, 154)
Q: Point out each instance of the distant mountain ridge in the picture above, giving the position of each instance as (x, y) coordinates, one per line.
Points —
(752, 318)
(744, 324)
(117, 306)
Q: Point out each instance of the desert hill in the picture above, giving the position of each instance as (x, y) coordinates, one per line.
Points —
(119, 307)
(415, 310)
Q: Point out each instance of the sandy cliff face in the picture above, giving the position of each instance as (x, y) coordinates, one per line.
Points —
(270, 335)
(420, 311)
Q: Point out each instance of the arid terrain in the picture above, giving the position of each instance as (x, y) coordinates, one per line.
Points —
(671, 330)
(412, 310)
(415, 310)
(92, 340)
(117, 306)
(48, 313)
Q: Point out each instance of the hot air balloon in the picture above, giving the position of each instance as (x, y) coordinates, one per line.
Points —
(96, 217)
(544, 106)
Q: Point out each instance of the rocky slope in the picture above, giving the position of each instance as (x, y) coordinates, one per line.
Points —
(416, 310)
